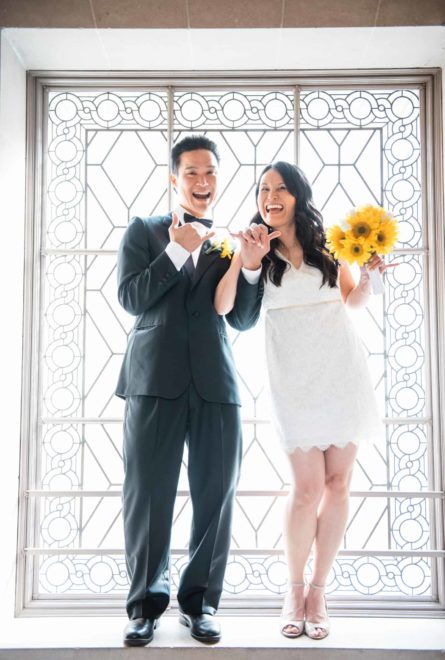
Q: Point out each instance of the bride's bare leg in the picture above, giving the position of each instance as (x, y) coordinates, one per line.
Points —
(300, 523)
(331, 525)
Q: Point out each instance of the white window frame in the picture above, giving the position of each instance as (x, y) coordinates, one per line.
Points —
(429, 81)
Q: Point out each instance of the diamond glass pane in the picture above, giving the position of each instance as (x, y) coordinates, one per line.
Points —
(106, 161)
(363, 147)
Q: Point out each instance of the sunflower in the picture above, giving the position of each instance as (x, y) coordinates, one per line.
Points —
(335, 236)
(356, 250)
(384, 237)
(364, 221)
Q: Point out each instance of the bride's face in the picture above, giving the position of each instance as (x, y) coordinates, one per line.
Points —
(276, 204)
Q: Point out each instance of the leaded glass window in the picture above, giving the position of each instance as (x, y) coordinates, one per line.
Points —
(102, 157)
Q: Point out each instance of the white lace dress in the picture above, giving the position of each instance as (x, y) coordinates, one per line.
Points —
(321, 391)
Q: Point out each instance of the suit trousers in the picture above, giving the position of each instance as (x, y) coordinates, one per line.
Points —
(155, 430)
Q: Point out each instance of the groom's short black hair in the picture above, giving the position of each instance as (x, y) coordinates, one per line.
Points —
(191, 143)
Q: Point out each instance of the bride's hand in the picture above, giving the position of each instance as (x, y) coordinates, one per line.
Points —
(255, 244)
(377, 263)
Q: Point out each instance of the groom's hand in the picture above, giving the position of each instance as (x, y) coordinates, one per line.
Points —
(190, 235)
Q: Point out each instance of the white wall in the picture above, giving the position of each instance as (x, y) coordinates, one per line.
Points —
(12, 212)
(149, 50)
(195, 50)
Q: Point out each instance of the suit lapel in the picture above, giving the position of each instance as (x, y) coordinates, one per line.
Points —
(189, 268)
(167, 220)
(204, 261)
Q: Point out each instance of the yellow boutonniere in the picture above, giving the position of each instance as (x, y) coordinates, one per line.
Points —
(224, 246)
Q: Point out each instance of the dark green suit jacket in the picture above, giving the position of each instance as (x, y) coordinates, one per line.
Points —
(177, 337)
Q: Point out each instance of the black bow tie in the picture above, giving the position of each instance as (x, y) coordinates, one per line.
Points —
(204, 221)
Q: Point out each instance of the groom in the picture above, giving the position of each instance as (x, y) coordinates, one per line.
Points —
(179, 382)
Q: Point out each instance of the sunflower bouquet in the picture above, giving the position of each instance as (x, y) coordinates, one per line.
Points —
(365, 231)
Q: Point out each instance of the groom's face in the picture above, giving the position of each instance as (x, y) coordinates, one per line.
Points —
(196, 181)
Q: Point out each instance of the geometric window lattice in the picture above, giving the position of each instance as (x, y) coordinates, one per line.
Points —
(106, 160)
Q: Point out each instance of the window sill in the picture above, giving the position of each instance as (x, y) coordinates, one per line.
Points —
(252, 636)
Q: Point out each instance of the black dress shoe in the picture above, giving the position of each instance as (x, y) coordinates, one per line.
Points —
(203, 627)
(139, 632)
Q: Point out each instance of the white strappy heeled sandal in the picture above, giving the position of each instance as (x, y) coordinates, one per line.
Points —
(290, 625)
(324, 626)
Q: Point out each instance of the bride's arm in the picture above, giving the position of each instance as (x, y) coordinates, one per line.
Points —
(226, 290)
(255, 243)
(354, 295)
(357, 295)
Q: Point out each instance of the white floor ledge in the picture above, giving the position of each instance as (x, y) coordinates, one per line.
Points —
(243, 638)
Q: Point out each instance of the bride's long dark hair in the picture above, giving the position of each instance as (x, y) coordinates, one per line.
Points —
(309, 229)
